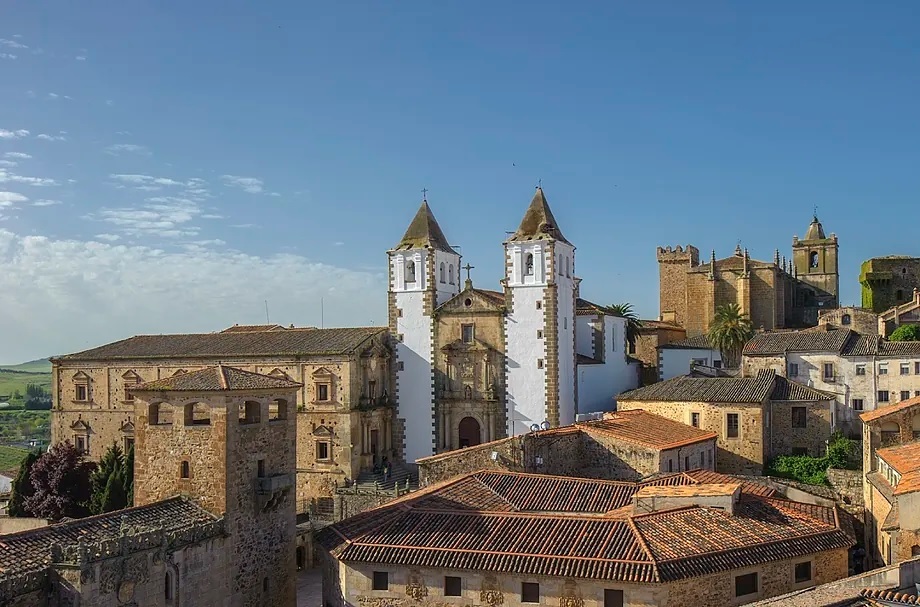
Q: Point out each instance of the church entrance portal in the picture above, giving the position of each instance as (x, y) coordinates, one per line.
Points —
(469, 432)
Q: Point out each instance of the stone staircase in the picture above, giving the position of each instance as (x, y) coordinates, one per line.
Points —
(399, 475)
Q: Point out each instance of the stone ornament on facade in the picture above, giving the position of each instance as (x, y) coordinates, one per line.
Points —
(380, 601)
(415, 587)
(125, 592)
(570, 595)
(490, 594)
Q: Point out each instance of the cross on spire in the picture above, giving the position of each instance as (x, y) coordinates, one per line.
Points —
(540, 183)
(425, 194)
(468, 267)
(816, 211)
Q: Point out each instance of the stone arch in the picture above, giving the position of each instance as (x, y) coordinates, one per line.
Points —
(442, 273)
(410, 271)
(813, 259)
(846, 319)
(469, 432)
(891, 433)
(160, 414)
(528, 265)
(277, 410)
(196, 414)
(250, 412)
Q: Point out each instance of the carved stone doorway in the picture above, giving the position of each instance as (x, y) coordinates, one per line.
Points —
(470, 432)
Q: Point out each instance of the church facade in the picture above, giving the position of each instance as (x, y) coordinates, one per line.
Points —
(774, 295)
(474, 365)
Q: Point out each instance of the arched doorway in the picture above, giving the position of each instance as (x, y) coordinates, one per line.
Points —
(301, 557)
(469, 432)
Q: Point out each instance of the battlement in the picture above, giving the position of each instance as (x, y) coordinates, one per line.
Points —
(685, 254)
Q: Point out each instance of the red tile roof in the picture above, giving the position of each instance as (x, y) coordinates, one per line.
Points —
(647, 429)
(905, 460)
(569, 527)
(876, 414)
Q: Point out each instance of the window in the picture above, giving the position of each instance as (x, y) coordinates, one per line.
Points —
(381, 580)
(372, 388)
(702, 460)
(528, 265)
(185, 470)
(860, 369)
(82, 392)
(322, 392)
(530, 592)
(452, 586)
(857, 404)
(905, 394)
(560, 264)
(828, 370)
(539, 334)
(731, 425)
(277, 409)
(265, 584)
(539, 305)
(400, 366)
(803, 572)
(883, 396)
(450, 273)
(709, 458)
(539, 363)
(467, 332)
(793, 369)
(81, 444)
(260, 468)
(250, 412)
(799, 417)
(613, 598)
(443, 280)
(883, 369)
(129, 443)
(322, 450)
(410, 271)
(813, 259)
(745, 584)
(567, 267)
(168, 586)
(905, 368)
(717, 364)
(695, 419)
(196, 414)
(916, 392)
(899, 294)
(670, 465)
(916, 368)
(845, 319)
(686, 462)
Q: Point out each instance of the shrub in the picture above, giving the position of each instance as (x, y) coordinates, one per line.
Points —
(813, 470)
(906, 333)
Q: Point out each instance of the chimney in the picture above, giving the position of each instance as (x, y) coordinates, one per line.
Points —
(721, 496)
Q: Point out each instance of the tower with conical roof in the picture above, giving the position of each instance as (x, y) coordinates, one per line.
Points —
(814, 261)
(424, 272)
(540, 324)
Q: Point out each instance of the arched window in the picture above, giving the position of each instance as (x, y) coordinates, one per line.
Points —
(168, 591)
(442, 272)
(277, 409)
(813, 259)
(185, 471)
(197, 414)
(250, 412)
(567, 270)
(159, 414)
(560, 264)
(410, 271)
(450, 273)
(845, 319)
(528, 265)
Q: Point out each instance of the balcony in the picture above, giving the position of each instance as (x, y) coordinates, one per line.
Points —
(269, 485)
(367, 403)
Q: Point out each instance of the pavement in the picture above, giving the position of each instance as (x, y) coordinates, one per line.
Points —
(309, 588)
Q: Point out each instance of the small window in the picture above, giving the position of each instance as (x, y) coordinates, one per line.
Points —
(250, 412)
(381, 580)
(745, 584)
(468, 333)
(196, 414)
(916, 368)
(185, 470)
(803, 572)
(530, 592)
(905, 368)
(322, 450)
(560, 264)
(80, 442)
(372, 388)
(400, 366)
(528, 265)
(567, 272)
(899, 294)
(883, 369)
(443, 274)
(539, 305)
(82, 392)
(410, 271)
(916, 393)
(717, 364)
(709, 458)
(731, 424)
(905, 394)
(799, 417)
(539, 363)
(845, 319)
(702, 460)
(670, 465)
(450, 274)
(686, 462)
(168, 586)
(322, 392)
(539, 334)
(695, 419)
(857, 404)
(277, 410)
(613, 598)
(260, 468)
(860, 369)
(452, 586)
(793, 369)
(828, 370)
(265, 584)
(813, 259)
(883, 396)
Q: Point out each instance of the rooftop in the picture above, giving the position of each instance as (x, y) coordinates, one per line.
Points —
(287, 342)
(726, 390)
(217, 379)
(905, 460)
(538, 222)
(780, 342)
(566, 527)
(647, 429)
(879, 413)
(689, 490)
(697, 342)
(424, 231)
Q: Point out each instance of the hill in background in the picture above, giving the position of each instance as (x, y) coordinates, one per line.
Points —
(41, 365)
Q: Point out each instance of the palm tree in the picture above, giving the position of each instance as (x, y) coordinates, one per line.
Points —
(633, 324)
(730, 330)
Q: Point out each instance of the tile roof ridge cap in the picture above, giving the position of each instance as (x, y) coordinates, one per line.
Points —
(800, 512)
(491, 490)
(512, 553)
(640, 539)
(222, 376)
(557, 476)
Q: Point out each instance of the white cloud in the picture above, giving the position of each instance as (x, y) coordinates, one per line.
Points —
(109, 102)
(12, 43)
(78, 288)
(7, 56)
(340, 244)
(18, 155)
(127, 148)
(8, 163)
(53, 95)
(7, 199)
(276, 194)
(7, 177)
(253, 185)
(4, 134)
(163, 216)
(80, 58)
(108, 237)
(46, 203)
(46, 137)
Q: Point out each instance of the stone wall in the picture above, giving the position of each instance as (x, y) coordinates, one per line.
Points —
(445, 466)
(673, 265)
(785, 439)
(848, 485)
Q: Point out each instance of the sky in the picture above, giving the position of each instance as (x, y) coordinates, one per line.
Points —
(172, 166)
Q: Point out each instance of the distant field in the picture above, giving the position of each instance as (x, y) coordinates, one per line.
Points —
(11, 380)
(11, 457)
(41, 365)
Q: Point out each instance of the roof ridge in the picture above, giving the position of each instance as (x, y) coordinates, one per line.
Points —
(640, 539)
(222, 377)
(496, 493)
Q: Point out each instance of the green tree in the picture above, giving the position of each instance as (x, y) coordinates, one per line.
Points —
(906, 333)
(730, 330)
(128, 477)
(633, 324)
(112, 464)
(22, 486)
(114, 497)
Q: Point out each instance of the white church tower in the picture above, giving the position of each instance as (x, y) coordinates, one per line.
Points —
(424, 272)
(540, 326)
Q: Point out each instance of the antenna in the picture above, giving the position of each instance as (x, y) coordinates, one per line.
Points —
(267, 321)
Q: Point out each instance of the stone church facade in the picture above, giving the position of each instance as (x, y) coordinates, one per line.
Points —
(774, 295)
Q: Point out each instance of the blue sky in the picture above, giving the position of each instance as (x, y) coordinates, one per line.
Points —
(168, 166)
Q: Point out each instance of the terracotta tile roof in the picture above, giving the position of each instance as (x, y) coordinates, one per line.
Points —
(296, 342)
(697, 342)
(30, 551)
(897, 597)
(584, 307)
(748, 485)
(538, 222)
(880, 412)
(905, 460)
(734, 262)
(565, 527)
(424, 231)
(706, 389)
(786, 389)
(861, 345)
(252, 328)
(659, 324)
(647, 429)
(217, 379)
(898, 348)
(780, 342)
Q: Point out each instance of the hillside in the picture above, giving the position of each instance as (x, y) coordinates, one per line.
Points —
(41, 365)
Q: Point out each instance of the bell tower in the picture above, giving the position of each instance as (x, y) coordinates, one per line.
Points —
(815, 261)
(424, 272)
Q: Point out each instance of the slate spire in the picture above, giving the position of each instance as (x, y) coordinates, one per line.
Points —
(538, 222)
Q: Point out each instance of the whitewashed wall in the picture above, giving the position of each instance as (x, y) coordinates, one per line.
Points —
(674, 362)
(598, 385)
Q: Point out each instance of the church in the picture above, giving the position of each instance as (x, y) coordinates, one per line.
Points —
(474, 365)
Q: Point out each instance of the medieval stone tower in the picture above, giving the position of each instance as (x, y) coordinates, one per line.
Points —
(225, 438)
(540, 285)
(815, 261)
(424, 272)
(673, 266)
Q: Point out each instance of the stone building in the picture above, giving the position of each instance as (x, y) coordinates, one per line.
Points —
(627, 445)
(891, 485)
(474, 365)
(654, 334)
(755, 418)
(773, 294)
(901, 314)
(888, 281)
(683, 356)
(214, 522)
(862, 371)
(344, 409)
(500, 538)
(860, 320)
